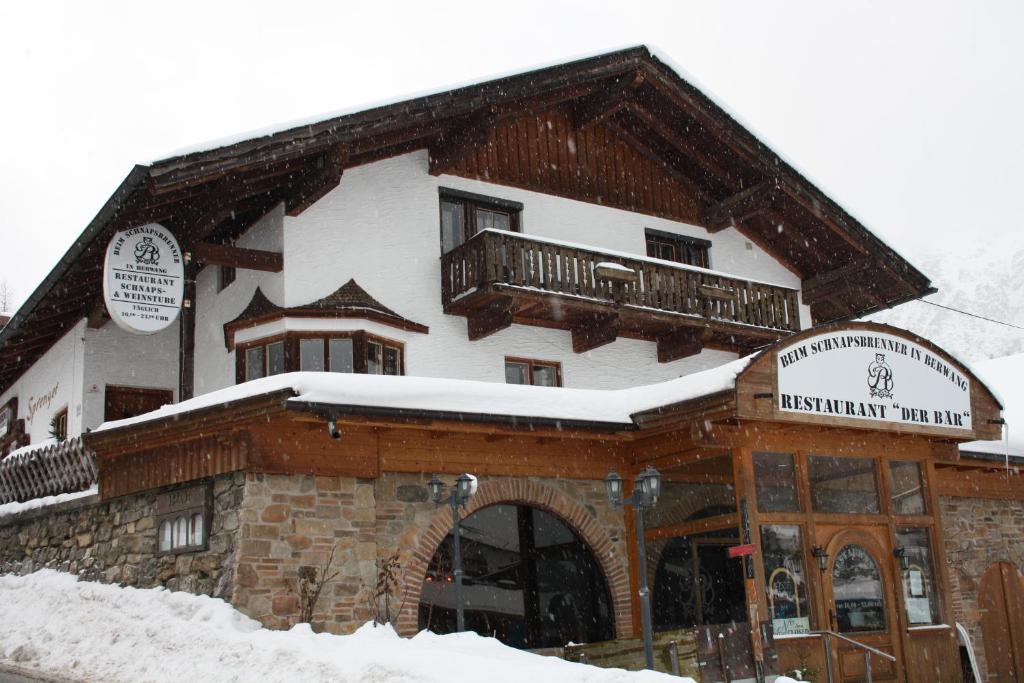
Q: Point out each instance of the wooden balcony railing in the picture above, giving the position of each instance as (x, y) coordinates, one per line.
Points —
(65, 467)
(496, 259)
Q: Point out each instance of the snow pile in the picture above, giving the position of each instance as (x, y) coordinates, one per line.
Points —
(36, 503)
(50, 622)
(1005, 377)
(465, 397)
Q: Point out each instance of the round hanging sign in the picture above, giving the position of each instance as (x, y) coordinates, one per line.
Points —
(143, 279)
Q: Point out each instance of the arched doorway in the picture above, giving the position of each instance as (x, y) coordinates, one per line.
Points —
(529, 580)
(1002, 622)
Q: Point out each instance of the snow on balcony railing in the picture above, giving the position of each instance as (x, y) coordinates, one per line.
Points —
(63, 467)
(507, 259)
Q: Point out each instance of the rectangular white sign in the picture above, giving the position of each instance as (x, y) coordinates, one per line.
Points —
(868, 375)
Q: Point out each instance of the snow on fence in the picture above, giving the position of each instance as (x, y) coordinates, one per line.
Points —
(64, 467)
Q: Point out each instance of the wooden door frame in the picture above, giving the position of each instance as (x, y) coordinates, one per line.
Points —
(836, 541)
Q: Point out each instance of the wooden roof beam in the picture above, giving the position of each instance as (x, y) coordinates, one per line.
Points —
(740, 206)
(672, 137)
(315, 185)
(816, 287)
(601, 330)
(454, 145)
(682, 343)
(236, 257)
(604, 103)
(645, 149)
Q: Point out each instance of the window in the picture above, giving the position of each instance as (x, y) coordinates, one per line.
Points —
(182, 519)
(225, 276)
(679, 248)
(338, 352)
(775, 478)
(264, 360)
(59, 425)
(858, 591)
(919, 577)
(535, 372)
(530, 581)
(906, 494)
(464, 214)
(311, 355)
(846, 485)
(786, 582)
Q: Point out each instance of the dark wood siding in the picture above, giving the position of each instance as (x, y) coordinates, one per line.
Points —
(597, 164)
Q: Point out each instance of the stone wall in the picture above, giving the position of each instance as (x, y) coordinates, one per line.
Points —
(290, 522)
(979, 532)
(115, 541)
(287, 523)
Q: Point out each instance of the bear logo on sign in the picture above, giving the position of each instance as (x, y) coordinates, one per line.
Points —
(880, 377)
(146, 252)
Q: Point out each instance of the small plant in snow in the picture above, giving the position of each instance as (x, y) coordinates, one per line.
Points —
(382, 597)
(311, 583)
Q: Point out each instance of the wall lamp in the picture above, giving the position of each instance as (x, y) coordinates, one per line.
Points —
(900, 553)
(822, 556)
(332, 429)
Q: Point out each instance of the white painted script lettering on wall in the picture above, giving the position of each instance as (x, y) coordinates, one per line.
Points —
(867, 375)
(144, 279)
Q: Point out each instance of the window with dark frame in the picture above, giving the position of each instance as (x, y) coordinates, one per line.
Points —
(464, 214)
(356, 352)
(667, 246)
(225, 276)
(59, 425)
(536, 372)
(183, 520)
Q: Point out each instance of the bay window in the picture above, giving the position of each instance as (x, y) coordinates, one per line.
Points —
(357, 351)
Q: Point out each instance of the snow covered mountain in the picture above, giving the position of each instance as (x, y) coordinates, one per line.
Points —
(986, 280)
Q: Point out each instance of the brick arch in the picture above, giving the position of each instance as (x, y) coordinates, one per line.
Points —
(521, 492)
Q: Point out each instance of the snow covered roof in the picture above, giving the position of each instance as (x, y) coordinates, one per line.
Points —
(464, 398)
(1005, 377)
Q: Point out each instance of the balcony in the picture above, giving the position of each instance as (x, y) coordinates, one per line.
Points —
(497, 278)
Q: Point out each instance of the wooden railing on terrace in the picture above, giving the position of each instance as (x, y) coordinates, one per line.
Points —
(505, 259)
(64, 467)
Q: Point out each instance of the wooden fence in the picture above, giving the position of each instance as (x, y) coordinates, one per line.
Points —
(507, 259)
(64, 467)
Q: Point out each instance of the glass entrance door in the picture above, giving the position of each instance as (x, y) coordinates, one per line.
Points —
(859, 601)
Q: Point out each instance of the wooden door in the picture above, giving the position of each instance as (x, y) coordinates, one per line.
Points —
(860, 603)
(122, 402)
(1002, 622)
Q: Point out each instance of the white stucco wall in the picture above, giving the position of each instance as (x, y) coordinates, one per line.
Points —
(114, 357)
(380, 226)
(214, 366)
(58, 371)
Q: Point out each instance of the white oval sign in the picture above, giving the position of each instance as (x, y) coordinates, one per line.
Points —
(868, 375)
(143, 279)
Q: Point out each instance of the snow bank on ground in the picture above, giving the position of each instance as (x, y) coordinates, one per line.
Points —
(97, 632)
(35, 503)
(467, 397)
(1005, 377)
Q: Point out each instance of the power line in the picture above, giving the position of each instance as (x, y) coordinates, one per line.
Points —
(973, 315)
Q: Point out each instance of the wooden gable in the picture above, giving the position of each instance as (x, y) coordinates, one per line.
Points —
(598, 163)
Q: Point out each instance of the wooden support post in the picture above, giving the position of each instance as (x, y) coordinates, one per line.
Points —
(603, 330)
(187, 334)
(490, 318)
(682, 343)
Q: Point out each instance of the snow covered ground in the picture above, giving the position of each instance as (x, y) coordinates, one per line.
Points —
(86, 631)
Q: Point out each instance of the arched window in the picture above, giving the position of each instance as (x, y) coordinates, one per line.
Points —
(196, 532)
(164, 535)
(858, 591)
(181, 532)
(529, 580)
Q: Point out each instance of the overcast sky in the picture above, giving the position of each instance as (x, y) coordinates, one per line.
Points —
(909, 114)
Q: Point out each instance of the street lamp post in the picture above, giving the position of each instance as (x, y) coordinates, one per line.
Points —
(465, 487)
(646, 489)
